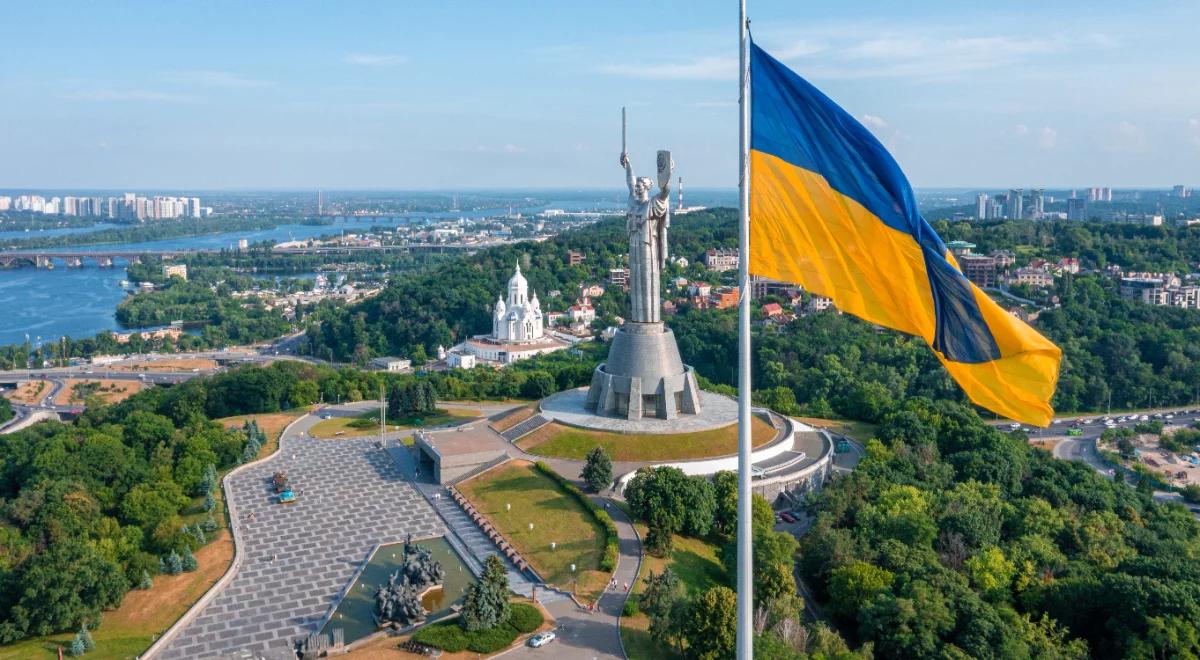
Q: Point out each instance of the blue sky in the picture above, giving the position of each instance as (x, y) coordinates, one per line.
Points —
(407, 95)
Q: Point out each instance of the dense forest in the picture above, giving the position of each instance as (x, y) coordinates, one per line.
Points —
(953, 540)
(92, 509)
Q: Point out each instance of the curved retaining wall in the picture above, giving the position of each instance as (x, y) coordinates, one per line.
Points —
(808, 478)
(239, 555)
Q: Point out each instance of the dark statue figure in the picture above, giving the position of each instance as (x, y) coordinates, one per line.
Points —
(399, 601)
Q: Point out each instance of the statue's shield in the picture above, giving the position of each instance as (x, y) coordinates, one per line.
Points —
(664, 168)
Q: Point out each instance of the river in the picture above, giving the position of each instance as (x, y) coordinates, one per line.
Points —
(80, 302)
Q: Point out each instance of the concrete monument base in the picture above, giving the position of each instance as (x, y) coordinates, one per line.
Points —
(570, 408)
(644, 376)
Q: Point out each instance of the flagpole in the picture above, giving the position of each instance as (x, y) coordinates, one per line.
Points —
(745, 576)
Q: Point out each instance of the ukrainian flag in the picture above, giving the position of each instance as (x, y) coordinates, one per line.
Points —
(831, 210)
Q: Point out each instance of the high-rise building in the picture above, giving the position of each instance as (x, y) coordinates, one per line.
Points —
(1015, 204)
(195, 204)
(5, 202)
(1077, 209)
(1100, 194)
(995, 208)
(321, 202)
(1181, 191)
(70, 206)
(1037, 204)
(981, 206)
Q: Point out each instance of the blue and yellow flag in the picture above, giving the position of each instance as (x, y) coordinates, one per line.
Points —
(831, 210)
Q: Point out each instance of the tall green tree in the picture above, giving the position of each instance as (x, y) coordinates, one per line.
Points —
(597, 470)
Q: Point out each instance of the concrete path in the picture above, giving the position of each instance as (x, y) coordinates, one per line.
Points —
(585, 635)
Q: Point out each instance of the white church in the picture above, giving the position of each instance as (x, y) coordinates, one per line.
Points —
(518, 330)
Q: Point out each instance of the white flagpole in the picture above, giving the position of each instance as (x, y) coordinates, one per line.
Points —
(745, 576)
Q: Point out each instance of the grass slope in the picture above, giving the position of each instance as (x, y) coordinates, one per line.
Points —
(560, 441)
(556, 516)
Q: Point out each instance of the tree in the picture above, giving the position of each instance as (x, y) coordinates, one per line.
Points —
(659, 538)
(597, 471)
(485, 603)
(991, 572)
(412, 398)
(188, 562)
(88, 643)
(145, 582)
(61, 587)
(303, 393)
(660, 600)
(711, 628)
(171, 564)
(538, 385)
(686, 504)
(850, 587)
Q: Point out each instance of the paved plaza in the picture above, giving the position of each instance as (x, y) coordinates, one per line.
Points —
(568, 407)
(299, 557)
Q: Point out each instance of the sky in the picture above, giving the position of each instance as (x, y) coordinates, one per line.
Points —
(481, 95)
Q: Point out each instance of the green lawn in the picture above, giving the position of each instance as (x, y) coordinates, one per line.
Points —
(560, 441)
(556, 516)
(698, 565)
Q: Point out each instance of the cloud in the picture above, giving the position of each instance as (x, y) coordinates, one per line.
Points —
(1047, 138)
(923, 51)
(124, 95)
(1021, 130)
(797, 50)
(375, 59)
(874, 123)
(703, 68)
(218, 78)
(1126, 137)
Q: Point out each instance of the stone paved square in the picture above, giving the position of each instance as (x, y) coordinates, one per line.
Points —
(299, 557)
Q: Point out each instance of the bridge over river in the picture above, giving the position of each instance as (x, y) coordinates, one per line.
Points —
(106, 258)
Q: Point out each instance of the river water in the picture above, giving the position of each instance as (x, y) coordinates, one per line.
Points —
(80, 302)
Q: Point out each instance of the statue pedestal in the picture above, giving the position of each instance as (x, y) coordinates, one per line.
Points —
(644, 376)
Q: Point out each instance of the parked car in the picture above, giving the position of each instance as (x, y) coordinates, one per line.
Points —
(787, 517)
(541, 639)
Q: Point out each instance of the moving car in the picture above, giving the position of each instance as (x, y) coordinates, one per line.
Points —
(541, 639)
(1074, 432)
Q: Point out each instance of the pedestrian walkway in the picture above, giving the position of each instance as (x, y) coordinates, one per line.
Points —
(584, 635)
(468, 535)
(524, 428)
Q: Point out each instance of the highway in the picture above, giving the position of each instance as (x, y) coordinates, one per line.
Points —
(283, 348)
(1082, 447)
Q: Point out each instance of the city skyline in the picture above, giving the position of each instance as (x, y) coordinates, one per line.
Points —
(476, 97)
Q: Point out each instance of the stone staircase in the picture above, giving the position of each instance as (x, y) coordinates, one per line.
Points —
(480, 546)
(524, 428)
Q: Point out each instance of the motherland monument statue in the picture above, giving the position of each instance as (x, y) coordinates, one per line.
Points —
(644, 376)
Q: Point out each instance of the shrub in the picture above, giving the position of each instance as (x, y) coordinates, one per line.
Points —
(525, 618)
(188, 561)
(451, 638)
(447, 636)
(630, 608)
